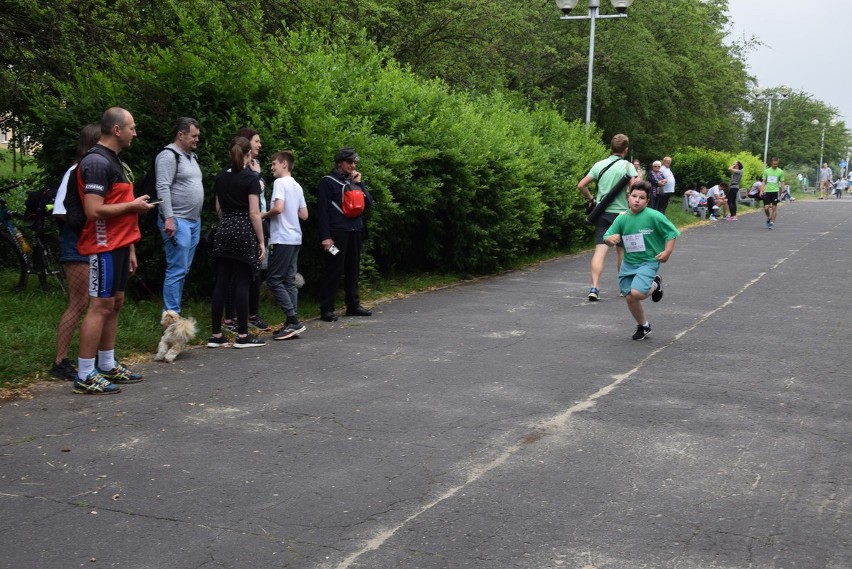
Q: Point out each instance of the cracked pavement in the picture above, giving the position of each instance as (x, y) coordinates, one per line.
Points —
(503, 423)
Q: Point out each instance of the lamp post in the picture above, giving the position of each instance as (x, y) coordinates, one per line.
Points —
(566, 6)
(816, 122)
(761, 95)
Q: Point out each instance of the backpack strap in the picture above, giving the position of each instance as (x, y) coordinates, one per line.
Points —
(342, 189)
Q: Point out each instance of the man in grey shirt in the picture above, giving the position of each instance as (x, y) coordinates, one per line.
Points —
(179, 186)
(669, 188)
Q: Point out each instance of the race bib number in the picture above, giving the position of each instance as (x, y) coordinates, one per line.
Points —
(772, 179)
(634, 243)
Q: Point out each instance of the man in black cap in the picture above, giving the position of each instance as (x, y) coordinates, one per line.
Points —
(341, 201)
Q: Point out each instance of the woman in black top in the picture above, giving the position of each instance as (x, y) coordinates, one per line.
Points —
(238, 247)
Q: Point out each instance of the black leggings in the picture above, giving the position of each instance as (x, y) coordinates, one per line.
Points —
(733, 196)
(236, 276)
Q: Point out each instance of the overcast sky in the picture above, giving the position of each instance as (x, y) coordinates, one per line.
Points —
(808, 46)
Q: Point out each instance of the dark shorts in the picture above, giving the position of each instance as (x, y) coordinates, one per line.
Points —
(603, 223)
(770, 198)
(108, 273)
(68, 252)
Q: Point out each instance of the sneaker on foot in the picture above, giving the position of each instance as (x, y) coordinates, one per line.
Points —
(732, 218)
(229, 325)
(257, 322)
(248, 341)
(770, 225)
(289, 330)
(284, 333)
(214, 342)
(121, 374)
(657, 294)
(594, 294)
(95, 384)
(328, 316)
(642, 332)
(64, 370)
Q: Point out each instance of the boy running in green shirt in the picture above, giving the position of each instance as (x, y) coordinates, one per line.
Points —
(648, 238)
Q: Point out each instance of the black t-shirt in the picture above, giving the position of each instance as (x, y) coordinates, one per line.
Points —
(233, 189)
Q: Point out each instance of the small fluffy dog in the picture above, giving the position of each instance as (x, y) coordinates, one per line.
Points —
(177, 331)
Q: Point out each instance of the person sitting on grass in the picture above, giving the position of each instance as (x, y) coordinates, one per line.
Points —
(648, 238)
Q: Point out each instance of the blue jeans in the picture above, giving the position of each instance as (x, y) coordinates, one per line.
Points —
(180, 251)
(281, 277)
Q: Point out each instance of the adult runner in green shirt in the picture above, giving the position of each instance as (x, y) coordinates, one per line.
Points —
(607, 173)
(770, 189)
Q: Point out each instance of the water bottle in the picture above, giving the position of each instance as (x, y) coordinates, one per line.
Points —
(23, 243)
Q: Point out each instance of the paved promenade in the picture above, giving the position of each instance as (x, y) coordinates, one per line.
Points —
(504, 423)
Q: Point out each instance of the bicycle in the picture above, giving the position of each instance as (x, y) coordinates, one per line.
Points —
(21, 257)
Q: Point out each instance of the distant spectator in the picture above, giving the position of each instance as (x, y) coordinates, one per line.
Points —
(716, 202)
(733, 193)
(657, 180)
(825, 176)
(668, 188)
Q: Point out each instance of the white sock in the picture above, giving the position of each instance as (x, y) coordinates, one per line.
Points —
(646, 324)
(84, 367)
(106, 359)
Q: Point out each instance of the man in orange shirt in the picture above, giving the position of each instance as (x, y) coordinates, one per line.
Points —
(108, 238)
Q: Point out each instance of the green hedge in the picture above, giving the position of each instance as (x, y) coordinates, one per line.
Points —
(462, 182)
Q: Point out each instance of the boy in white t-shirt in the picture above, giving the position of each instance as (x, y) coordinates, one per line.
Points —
(285, 239)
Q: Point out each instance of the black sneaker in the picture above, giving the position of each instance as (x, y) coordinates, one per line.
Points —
(64, 370)
(283, 333)
(642, 332)
(230, 325)
(296, 326)
(257, 322)
(657, 294)
(358, 311)
(291, 330)
(214, 342)
(328, 316)
(594, 295)
(248, 341)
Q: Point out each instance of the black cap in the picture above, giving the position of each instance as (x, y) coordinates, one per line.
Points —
(346, 154)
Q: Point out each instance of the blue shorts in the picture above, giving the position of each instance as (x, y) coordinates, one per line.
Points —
(68, 252)
(108, 273)
(637, 277)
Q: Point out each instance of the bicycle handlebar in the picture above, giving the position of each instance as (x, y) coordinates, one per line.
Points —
(11, 186)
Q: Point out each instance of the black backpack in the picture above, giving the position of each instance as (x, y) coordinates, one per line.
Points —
(38, 207)
(148, 185)
(75, 214)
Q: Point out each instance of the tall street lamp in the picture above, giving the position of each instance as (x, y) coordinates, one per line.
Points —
(762, 95)
(816, 122)
(566, 6)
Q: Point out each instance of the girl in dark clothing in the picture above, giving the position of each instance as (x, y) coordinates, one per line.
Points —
(239, 246)
(733, 196)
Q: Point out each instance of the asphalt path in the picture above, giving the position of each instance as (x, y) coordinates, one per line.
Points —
(502, 423)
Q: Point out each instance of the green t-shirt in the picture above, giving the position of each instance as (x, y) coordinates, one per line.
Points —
(643, 234)
(610, 178)
(773, 178)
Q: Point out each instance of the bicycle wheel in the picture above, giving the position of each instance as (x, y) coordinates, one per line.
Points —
(47, 265)
(13, 266)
